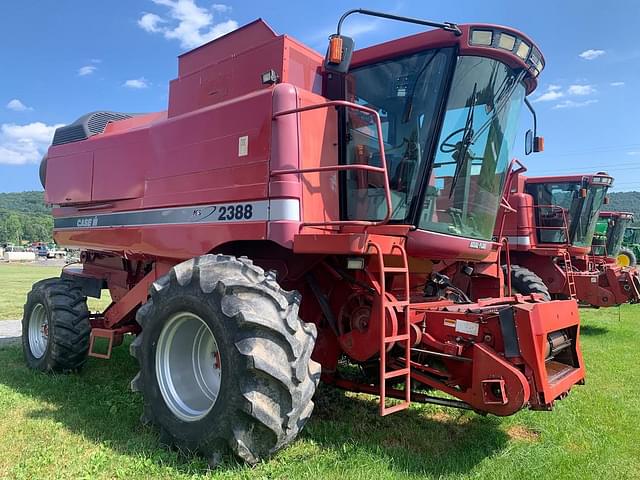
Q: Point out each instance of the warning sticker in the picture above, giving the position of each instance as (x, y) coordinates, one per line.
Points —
(449, 322)
(470, 328)
(243, 146)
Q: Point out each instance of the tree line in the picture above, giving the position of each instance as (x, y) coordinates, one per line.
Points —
(24, 217)
(17, 228)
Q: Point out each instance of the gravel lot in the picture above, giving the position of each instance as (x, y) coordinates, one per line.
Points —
(10, 332)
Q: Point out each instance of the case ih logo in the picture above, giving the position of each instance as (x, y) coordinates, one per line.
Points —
(478, 245)
(87, 222)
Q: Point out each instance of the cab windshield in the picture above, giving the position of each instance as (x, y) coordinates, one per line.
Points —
(615, 234)
(632, 235)
(468, 150)
(566, 208)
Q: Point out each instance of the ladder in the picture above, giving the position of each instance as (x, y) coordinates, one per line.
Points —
(387, 304)
(568, 268)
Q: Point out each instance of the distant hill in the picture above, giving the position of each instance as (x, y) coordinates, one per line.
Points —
(24, 202)
(625, 202)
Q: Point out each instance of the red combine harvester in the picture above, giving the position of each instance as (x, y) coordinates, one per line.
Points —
(550, 233)
(359, 180)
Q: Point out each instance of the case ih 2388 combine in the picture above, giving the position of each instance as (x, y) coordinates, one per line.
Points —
(550, 235)
(354, 182)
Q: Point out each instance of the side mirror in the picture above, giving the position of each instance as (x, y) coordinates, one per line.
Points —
(583, 193)
(605, 200)
(528, 142)
(339, 53)
(532, 143)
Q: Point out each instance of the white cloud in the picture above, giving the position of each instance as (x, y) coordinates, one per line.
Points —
(150, 22)
(86, 70)
(581, 90)
(553, 92)
(591, 54)
(617, 84)
(187, 22)
(136, 83)
(572, 104)
(21, 144)
(17, 106)
(221, 8)
(633, 153)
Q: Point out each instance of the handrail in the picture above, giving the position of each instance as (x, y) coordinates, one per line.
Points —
(337, 168)
(504, 202)
(563, 228)
(504, 242)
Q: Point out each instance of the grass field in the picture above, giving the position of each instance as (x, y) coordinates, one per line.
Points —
(15, 282)
(86, 426)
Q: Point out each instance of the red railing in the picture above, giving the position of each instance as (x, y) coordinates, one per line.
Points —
(338, 168)
(563, 228)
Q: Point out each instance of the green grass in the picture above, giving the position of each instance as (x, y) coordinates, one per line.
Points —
(86, 426)
(15, 282)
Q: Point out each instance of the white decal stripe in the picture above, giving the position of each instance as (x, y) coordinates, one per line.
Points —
(240, 212)
(282, 209)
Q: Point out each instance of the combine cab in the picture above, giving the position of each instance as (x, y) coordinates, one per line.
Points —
(550, 237)
(609, 235)
(288, 211)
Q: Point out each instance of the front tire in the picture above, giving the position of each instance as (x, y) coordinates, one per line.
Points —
(225, 362)
(525, 282)
(55, 326)
(626, 258)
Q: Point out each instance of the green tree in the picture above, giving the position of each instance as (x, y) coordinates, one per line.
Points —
(13, 228)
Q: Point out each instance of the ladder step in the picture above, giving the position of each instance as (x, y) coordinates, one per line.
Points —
(395, 270)
(396, 373)
(396, 338)
(395, 408)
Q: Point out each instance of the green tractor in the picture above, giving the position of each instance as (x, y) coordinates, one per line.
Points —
(610, 238)
(630, 246)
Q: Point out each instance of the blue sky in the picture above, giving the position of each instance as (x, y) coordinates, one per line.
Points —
(62, 59)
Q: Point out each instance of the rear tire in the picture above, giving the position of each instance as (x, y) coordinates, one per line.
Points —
(626, 258)
(256, 397)
(525, 282)
(55, 326)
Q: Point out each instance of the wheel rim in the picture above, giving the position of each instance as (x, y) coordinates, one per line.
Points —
(38, 331)
(623, 260)
(188, 366)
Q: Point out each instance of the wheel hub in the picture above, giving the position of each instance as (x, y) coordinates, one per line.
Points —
(38, 331)
(188, 366)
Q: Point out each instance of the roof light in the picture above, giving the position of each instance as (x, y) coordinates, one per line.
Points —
(507, 41)
(481, 37)
(602, 180)
(512, 43)
(523, 50)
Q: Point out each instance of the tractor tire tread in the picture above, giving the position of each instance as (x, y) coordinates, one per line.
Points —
(526, 282)
(69, 327)
(277, 378)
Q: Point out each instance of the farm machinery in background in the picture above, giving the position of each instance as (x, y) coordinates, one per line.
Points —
(630, 247)
(288, 212)
(607, 246)
(550, 231)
